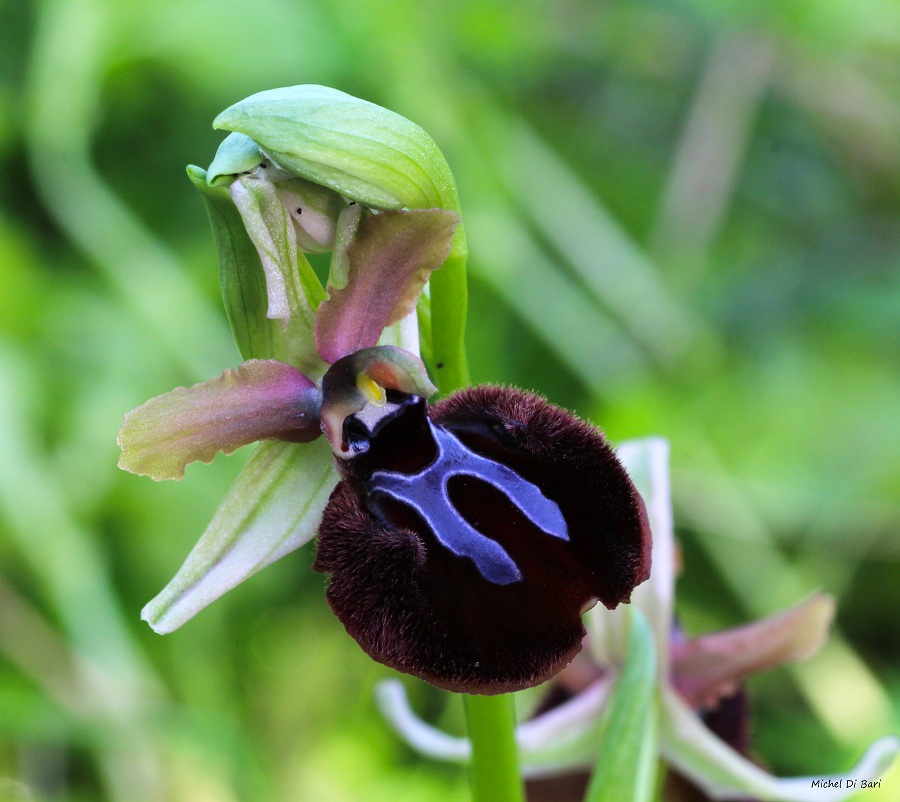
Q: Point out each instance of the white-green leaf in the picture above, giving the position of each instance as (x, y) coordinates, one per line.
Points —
(273, 508)
(272, 232)
(241, 276)
(627, 746)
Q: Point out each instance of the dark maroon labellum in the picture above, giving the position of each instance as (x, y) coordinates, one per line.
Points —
(467, 538)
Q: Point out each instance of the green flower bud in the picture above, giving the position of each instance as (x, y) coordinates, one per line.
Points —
(362, 151)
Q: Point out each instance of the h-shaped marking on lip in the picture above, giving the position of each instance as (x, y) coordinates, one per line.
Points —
(426, 492)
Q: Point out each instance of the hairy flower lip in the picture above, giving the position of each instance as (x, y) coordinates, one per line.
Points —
(413, 602)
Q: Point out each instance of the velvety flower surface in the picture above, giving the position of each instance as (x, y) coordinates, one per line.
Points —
(467, 538)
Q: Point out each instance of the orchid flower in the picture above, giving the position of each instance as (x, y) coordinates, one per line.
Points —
(463, 540)
(693, 676)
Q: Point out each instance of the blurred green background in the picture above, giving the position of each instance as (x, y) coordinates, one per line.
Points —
(683, 220)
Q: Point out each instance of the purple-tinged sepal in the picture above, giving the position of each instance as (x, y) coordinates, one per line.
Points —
(260, 400)
(709, 667)
(379, 277)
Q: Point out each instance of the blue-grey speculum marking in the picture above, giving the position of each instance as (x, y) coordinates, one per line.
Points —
(426, 493)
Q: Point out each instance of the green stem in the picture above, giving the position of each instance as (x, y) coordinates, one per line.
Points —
(494, 772)
(449, 297)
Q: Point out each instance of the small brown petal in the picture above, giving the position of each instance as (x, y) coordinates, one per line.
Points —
(706, 668)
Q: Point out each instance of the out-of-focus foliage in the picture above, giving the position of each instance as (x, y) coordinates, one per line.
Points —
(683, 220)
